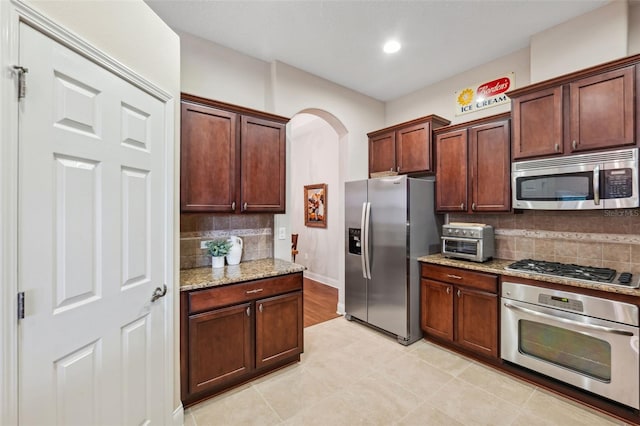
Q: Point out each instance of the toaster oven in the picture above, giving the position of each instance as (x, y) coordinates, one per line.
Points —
(469, 241)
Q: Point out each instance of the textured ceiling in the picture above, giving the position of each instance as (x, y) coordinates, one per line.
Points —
(341, 41)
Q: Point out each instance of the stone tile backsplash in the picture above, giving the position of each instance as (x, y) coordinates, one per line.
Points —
(255, 230)
(609, 238)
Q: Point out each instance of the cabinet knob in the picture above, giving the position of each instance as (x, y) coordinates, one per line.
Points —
(556, 147)
(249, 311)
(233, 205)
(574, 144)
(244, 206)
(473, 206)
(260, 307)
(398, 169)
(448, 290)
(461, 206)
(458, 293)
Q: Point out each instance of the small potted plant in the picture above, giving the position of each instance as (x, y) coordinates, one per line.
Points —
(218, 249)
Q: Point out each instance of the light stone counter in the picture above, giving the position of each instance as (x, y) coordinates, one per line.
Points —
(497, 266)
(198, 278)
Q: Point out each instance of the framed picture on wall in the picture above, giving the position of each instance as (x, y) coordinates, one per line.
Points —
(315, 205)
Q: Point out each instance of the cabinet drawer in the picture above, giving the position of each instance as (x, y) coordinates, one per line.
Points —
(473, 279)
(217, 297)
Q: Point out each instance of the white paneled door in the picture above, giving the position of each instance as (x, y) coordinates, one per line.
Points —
(91, 243)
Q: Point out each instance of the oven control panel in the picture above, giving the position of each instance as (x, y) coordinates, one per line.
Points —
(561, 302)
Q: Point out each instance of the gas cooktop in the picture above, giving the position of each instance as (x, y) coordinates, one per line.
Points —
(577, 272)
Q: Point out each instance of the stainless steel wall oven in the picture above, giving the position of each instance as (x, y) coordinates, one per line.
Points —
(588, 342)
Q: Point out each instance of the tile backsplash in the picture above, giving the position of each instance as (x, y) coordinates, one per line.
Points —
(606, 238)
(256, 231)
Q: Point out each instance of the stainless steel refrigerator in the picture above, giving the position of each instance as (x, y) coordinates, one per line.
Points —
(390, 222)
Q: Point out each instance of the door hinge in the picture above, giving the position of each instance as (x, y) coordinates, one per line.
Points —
(22, 80)
(21, 305)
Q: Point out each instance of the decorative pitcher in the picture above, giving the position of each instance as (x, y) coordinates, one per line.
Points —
(235, 252)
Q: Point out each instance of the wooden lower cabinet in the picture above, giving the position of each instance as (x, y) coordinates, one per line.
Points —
(460, 307)
(223, 346)
(219, 346)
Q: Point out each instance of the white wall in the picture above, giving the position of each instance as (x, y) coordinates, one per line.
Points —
(440, 98)
(591, 39)
(216, 72)
(634, 28)
(315, 159)
(130, 32)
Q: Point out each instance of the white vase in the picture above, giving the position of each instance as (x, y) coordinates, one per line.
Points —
(235, 252)
(217, 262)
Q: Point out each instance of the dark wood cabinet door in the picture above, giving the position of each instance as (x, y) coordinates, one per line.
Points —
(436, 308)
(451, 171)
(477, 321)
(490, 167)
(262, 178)
(413, 149)
(220, 346)
(279, 328)
(538, 124)
(209, 146)
(382, 153)
(602, 110)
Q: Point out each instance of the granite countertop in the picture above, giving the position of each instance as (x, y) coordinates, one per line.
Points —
(198, 278)
(497, 266)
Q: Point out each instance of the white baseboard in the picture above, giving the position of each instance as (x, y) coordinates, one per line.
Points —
(321, 279)
(178, 416)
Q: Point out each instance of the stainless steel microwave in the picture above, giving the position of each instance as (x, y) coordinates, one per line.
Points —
(600, 180)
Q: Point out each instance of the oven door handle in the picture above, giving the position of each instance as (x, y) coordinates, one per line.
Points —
(466, 240)
(568, 321)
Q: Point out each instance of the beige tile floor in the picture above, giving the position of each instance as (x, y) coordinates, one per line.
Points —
(352, 375)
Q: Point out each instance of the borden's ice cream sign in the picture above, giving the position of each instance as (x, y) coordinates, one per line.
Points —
(484, 95)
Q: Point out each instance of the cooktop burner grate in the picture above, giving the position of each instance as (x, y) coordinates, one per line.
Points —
(589, 273)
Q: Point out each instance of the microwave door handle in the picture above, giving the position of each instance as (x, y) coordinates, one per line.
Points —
(568, 321)
(596, 185)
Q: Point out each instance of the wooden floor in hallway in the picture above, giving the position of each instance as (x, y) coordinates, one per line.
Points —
(320, 302)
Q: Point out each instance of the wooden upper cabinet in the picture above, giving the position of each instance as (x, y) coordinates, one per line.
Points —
(232, 158)
(412, 153)
(262, 148)
(404, 148)
(537, 124)
(490, 167)
(602, 110)
(208, 159)
(451, 171)
(382, 153)
(588, 110)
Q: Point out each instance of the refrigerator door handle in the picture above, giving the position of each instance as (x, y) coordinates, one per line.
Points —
(363, 224)
(366, 257)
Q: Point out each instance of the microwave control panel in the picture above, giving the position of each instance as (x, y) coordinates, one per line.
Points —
(618, 183)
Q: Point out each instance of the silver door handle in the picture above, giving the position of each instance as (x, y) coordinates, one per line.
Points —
(458, 293)
(461, 206)
(473, 206)
(574, 144)
(363, 232)
(448, 290)
(398, 169)
(158, 293)
(367, 254)
(257, 290)
(556, 147)
(596, 185)
(244, 206)
(233, 205)
(457, 277)
(260, 307)
(568, 321)
(249, 311)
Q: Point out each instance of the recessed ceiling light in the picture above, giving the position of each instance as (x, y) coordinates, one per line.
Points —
(391, 46)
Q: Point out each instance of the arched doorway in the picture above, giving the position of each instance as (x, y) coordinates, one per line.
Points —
(318, 155)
